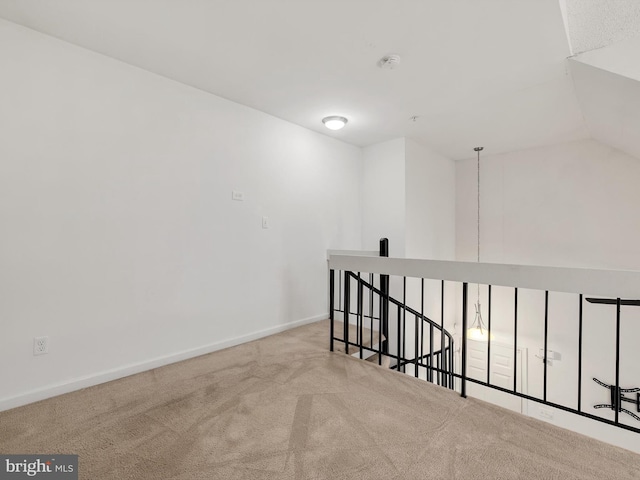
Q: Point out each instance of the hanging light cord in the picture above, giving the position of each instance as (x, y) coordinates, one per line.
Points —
(478, 149)
(477, 322)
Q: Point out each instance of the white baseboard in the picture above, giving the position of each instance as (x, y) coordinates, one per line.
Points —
(121, 372)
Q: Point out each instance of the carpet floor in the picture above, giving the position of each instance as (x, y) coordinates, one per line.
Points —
(283, 407)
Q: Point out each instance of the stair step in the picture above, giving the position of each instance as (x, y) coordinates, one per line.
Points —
(353, 336)
(386, 361)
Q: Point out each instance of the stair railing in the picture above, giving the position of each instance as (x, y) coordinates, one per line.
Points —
(372, 306)
(602, 294)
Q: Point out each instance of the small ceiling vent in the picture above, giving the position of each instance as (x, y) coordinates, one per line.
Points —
(389, 62)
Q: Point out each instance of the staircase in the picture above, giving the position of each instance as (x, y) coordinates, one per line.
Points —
(364, 305)
(370, 340)
(368, 321)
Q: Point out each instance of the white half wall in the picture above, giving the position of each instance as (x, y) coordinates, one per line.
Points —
(120, 239)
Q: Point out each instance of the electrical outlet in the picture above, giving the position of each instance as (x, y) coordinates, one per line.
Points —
(551, 356)
(40, 345)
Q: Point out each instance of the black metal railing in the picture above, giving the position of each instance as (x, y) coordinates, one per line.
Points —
(432, 356)
(615, 390)
(372, 314)
(378, 318)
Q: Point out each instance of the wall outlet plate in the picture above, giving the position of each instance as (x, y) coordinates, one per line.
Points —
(551, 356)
(40, 345)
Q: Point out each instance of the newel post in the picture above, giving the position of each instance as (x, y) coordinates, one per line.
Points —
(384, 300)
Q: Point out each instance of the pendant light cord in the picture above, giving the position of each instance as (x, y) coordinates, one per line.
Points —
(478, 149)
(478, 223)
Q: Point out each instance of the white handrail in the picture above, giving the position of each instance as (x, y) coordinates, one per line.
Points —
(360, 253)
(606, 283)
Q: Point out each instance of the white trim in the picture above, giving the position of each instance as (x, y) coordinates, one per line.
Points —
(608, 283)
(116, 373)
(360, 253)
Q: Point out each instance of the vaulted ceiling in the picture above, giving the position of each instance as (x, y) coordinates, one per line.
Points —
(475, 72)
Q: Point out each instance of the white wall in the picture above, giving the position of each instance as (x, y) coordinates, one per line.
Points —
(120, 240)
(408, 196)
(571, 205)
(430, 203)
(383, 196)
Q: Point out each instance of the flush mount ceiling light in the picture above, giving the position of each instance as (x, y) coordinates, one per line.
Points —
(334, 122)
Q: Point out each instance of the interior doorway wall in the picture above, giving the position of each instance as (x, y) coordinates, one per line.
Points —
(501, 374)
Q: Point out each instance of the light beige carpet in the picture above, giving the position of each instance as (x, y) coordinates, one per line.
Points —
(285, 408)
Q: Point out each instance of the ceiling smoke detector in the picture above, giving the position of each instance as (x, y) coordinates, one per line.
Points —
(389, 62)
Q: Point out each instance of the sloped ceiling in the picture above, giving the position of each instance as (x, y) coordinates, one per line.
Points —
(605, 39)
(607, 83)
(594, 24)
(476, 72)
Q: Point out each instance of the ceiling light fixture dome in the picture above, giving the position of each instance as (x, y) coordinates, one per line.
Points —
(334, 122)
